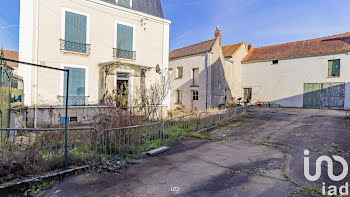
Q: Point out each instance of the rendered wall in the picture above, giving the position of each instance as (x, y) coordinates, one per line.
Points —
(283, 83)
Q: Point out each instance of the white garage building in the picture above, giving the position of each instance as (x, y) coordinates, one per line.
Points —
(311, 73)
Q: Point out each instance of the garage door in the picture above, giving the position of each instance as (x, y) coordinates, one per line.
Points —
(324, 95)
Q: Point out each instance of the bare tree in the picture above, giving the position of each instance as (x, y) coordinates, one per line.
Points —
(149, 100)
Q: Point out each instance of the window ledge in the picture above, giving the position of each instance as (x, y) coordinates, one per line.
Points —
(178, 78)
(125, 59)
(178, 103)
(194, 86)
(330, 77)
(74, 52)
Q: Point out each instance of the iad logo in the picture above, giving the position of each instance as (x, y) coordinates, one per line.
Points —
(332, 190)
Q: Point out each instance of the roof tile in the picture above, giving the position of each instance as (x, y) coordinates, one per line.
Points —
(11, 55)
(193, 49)
(319, 46)
(229, 50)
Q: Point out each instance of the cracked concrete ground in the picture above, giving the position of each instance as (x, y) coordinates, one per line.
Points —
(259, 155)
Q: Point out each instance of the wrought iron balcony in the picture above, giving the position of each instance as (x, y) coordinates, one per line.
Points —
(74, 100)
(120, 53)
(75, 47)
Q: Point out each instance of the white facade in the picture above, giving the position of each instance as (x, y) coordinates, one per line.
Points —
(283, 83)
(42, 26)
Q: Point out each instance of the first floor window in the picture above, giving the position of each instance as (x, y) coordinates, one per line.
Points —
(125, 42)
(76, 86)
(75, 32)
(179, 97)
(334, 68)
(179, 72)
(195, 95)
(195, 77)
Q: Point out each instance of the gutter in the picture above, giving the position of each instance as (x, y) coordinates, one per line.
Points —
(37, 62)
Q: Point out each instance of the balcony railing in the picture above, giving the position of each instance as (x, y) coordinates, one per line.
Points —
(74, 100)
(120, 53)
(75, 47)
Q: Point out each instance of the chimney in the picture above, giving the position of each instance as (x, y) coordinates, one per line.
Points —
(250, 47)
(218, 34)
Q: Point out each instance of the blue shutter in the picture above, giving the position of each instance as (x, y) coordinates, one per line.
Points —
(336, 68)
(76, 84)
(75, 32)
(125, 41)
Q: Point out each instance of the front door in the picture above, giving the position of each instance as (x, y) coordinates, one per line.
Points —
(122, 89)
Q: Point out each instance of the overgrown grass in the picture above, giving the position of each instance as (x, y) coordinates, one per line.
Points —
(314, 190)
(201, 135)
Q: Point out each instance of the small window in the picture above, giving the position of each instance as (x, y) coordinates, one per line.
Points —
(195, 76)
(124, 3)
(179, 97)
(73, 119)
(195, 95)
(334, 68)
(179, 72)
(275, 62)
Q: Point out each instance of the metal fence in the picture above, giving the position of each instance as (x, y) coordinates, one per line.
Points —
(178, 124)
(211, 118)
(127, 139)
(41, 150)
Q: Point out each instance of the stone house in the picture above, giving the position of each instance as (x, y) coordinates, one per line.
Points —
(201, 74)
(104, 44)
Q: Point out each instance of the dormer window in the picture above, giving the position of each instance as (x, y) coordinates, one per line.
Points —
(124, 3)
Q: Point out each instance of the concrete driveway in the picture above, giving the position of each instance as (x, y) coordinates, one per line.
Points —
(261, 154)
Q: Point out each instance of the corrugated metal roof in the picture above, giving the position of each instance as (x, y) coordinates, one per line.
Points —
(152, 7)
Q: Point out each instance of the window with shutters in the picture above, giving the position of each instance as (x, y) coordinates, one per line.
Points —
(334, 68)
(125, 42)
(75, 33)
(76, 91)
(124, 3)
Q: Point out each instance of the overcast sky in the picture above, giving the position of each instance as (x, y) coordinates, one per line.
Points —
(262, 22)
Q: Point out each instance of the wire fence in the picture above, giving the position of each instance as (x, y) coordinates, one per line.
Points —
(40, 150)
(179, 124)
(127, 139)
(31, 151)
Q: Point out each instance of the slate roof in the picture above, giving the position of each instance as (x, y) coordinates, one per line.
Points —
(152, 7)
(192, 50)
(11, 55)
(306, 48)
(230, 50)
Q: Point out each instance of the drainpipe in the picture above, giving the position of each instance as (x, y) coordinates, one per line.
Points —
(207, 60)
(37, 62)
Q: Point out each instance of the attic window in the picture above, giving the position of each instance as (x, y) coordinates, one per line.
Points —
(274, 61)
(124, 3)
